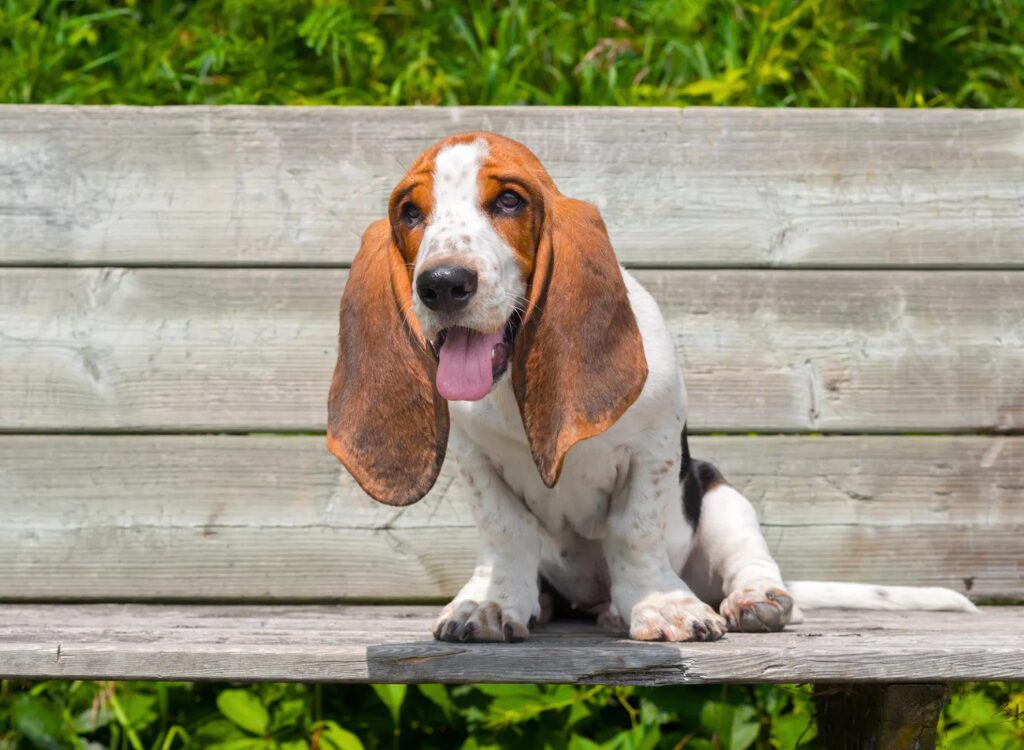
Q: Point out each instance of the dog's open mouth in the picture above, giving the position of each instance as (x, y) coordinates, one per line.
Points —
(469, 362)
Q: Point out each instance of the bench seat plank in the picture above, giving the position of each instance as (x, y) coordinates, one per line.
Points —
(692, 187)
(253, 350)
(255, 517)
(393, 644)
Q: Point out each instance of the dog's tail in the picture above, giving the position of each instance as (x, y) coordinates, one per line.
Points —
(822, 594)
(697, 476)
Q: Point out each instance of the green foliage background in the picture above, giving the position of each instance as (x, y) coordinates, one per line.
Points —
(967, 53)
(903, 53)
(161, 716)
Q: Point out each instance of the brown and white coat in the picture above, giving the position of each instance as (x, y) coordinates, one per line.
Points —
(488, 311)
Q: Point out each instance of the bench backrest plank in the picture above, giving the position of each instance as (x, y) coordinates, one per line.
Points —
(243, 517)
(253, 349)
(854, 273)
(691, 187)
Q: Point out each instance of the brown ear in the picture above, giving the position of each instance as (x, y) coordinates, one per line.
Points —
(385, 420)
(579, 361)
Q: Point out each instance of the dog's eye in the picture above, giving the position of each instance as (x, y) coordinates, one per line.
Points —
(411, 214)
(509, 202)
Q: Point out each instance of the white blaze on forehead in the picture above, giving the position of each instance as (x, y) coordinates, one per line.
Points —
(458, 231)
(456, 213)
(456, 188)
(456, 171)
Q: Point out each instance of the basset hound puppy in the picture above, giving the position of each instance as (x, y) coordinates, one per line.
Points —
(488, 311)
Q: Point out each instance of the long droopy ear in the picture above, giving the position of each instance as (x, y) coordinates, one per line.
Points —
(579, 361)
(385, 420)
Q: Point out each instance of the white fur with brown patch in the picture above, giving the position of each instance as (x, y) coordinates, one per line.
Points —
(459, 233)
(601, 532)
(611, 536)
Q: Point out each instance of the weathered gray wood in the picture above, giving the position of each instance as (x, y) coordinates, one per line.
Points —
(209, 517)
(377, 644)
(244, 349)
(879, 717)
(693, 187)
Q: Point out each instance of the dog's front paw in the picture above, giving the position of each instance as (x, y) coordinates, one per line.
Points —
(674, 616)
(757, 609)
(472, 621)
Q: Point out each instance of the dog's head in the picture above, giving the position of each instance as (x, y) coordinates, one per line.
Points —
(482, 268)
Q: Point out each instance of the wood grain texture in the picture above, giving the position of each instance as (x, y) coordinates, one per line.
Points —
(253, 350)
(379, 644)
(214, 517)
(879, 717)
(678, 187)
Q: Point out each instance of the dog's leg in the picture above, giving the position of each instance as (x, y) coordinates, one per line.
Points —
(730, 543)
(646, 591)
(501, 601)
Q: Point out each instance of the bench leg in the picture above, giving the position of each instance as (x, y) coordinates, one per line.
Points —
(879, 717)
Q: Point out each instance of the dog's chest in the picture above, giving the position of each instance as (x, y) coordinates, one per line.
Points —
(592, 472)
(579, 502)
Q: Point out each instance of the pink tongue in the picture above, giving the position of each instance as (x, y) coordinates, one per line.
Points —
(464, 371)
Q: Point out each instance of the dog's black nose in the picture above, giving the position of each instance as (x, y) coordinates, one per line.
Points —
(446, 288)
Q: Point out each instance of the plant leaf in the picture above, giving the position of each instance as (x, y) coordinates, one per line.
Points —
(217, 730)
(393, 697)
(789, 731)
(40, 721)
(333, 737)
(244, 710)
(736, 727)
(438, 695)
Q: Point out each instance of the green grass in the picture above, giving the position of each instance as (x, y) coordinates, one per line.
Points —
(904, 53)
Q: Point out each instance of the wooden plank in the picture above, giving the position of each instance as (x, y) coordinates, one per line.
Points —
(879, 717)
(215, 517)
(377, 644)
(253, 350)
(693, 187)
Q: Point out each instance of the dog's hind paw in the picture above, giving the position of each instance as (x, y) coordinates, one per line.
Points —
(764, 608)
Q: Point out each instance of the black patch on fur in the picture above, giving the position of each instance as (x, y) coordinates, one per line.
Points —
(696, 478)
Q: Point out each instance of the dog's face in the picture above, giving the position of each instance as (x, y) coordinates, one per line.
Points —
(467, 220)
(481, 268)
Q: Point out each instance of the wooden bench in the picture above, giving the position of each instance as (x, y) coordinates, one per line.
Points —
(848, 292)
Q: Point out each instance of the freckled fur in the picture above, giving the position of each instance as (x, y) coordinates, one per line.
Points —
(613, 535)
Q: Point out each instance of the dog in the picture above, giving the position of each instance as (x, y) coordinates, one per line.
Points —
(488, 311)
